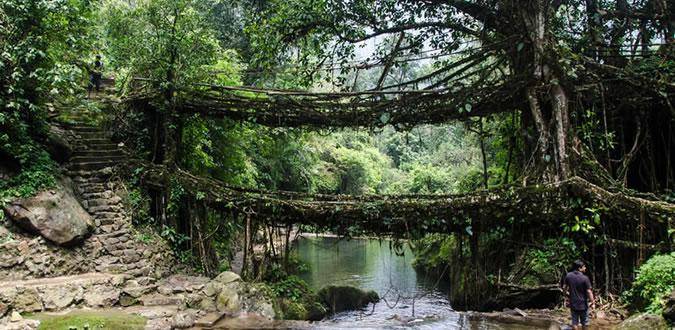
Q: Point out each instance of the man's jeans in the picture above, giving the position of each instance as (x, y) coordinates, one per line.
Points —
(580, 317)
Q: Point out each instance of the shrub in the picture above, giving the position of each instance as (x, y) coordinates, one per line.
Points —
(548, 264)
(655, 280)
(433, 251)
(292, 288)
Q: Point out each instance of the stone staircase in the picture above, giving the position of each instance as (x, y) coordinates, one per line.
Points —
(91, 167)
(113, 267)
(114, 246)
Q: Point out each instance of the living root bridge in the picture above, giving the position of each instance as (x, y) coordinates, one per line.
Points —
(533, 208)
(284, 108)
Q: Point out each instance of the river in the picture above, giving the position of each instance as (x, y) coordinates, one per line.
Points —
(410, 299)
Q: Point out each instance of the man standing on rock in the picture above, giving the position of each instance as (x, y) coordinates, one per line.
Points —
(577, 289)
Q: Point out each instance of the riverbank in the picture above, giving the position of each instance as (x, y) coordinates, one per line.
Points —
(545, 318)
(163, 317)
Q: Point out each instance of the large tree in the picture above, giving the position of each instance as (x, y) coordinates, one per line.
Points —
(562, 64)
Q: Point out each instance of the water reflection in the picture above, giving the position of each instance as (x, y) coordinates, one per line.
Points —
(409, 299)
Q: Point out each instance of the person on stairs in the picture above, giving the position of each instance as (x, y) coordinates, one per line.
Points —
(95, 75)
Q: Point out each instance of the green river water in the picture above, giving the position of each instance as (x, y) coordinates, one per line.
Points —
(410, 299)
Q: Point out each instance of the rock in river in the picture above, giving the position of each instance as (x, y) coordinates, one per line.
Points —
(342, 298)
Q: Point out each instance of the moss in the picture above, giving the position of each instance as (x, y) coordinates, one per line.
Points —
(294, 300)
(315, 310)
(266, 291)
(95, 320)
(341, 298)
(433, 251)
(293, 310)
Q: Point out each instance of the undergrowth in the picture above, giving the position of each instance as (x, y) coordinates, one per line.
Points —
(655, 280)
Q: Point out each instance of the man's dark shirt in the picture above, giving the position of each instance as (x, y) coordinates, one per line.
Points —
(98, 67)
(578, 285)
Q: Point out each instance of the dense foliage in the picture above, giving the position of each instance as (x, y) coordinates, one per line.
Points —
(41, 48)
(654, 282)
(584, 90)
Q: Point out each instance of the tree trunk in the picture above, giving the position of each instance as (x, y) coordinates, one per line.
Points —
(561, 115)
(544, 94)
(202, 249)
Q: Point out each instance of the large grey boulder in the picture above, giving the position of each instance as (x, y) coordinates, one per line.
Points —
(58, 143)
(644, 321)
(228, 293)
(55, 214)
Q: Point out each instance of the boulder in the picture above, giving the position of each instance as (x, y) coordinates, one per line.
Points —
(262, 307)
(644, 321)
(27, 300)
(60, 297)
(102, 296)
(342, 298)
(15, 317)
(669, 309)
(227, 293)
(57, 144)
(183, 320)
(227, 277)
(55, 214)
(24, 324)
(228, 299)
(127, 300)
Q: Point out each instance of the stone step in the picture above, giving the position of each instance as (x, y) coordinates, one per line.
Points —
(108, 146)
(97, 152)
(157, 299)
(106, 222)
(108, 215)
(117, 233)
(102, 193)
(117, 226)
(82, 176)
(79, 128)
(100, 179)
(104, 208)
(92, 166)
(87, 187)
(97, 158)
(103, 201)
(94, 141)
(92, 134)
(210, 319)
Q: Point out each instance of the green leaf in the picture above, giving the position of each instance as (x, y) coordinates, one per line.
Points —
(384, 117)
